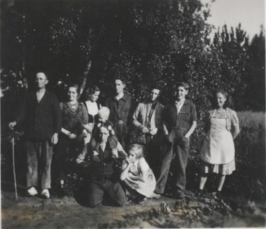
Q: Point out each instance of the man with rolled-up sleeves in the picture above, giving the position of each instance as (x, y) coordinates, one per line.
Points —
(41, 113)
(180, 121)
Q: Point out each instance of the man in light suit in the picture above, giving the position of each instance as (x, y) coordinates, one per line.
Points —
(147, 118)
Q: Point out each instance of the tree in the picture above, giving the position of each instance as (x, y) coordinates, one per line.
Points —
(255, 91)
(145, 41)
(233, 56)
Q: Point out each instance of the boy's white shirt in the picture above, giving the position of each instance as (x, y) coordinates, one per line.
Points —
(179, 105)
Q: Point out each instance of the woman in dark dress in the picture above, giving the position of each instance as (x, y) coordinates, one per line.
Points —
(73, 132)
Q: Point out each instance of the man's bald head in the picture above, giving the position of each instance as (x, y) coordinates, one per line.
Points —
(42, 74)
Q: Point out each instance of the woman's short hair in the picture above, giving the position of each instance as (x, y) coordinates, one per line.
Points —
(182, 84)
(91, 90)
(138, 150)
(75, 86)
(228, 102)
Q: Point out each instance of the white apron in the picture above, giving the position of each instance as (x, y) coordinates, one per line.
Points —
(218, 146)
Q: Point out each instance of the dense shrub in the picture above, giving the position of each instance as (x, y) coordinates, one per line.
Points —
(250, 155)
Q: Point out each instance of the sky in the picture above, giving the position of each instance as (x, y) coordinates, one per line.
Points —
(250, 13)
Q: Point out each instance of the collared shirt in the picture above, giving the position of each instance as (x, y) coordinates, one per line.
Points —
(40, 95)
(179, 105)
(119, 109)
(183, 119)
(150, 121)
(103, 145)
(119, 96)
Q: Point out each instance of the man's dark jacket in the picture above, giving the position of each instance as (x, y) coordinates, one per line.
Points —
(42, 119)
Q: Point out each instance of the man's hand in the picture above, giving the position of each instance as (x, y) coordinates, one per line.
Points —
(88, 127)
(129, 161)
(153, 131)
(87, 139)
(71, 136)
(144, 130)
(114, 153)
(12, 125)
(54, 139)
(85, 133)
(85, 164)
(95, 156)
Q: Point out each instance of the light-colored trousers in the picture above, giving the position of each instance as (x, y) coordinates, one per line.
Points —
(39, 160)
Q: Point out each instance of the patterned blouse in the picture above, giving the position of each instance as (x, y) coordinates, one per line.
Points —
(73, 117)
(230, 116)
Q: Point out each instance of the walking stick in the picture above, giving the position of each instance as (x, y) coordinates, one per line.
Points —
(13, 160)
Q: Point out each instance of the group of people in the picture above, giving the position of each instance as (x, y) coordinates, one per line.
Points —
(127, 149)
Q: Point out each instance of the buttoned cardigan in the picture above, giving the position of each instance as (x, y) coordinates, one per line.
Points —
(42, 119)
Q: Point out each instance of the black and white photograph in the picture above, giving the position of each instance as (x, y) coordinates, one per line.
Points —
(132, 114)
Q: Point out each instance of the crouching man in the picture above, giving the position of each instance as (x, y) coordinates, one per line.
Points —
(105, 151)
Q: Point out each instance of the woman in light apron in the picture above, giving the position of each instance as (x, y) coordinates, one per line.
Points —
(218, 151)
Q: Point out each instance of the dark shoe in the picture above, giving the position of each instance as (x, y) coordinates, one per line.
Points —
(129, 200)
(61, 192)
(199, 193)
(217, 195)
(179, 195)
(141, 200)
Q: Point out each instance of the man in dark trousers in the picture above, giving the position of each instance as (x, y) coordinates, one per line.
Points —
(120, 110)
(180, 121)
(41, 112)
